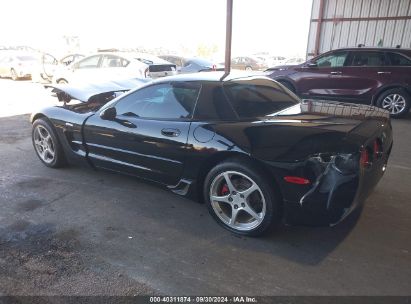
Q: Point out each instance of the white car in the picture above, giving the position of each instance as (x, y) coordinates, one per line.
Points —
(17, 65)
(273, 61)
(114, 65)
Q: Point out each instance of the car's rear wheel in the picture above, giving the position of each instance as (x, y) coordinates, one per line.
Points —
(397, 101)
(13, 74)
(47, 145)
(240, 199)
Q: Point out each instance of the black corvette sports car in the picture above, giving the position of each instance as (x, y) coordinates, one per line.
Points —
(246, 146)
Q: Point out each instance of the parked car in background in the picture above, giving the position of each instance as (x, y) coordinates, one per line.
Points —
(248, 63)
(109, 65)
(272, 61)
(376, 76)
(192, 65)
(69, 59)
(48, 65)
(157, 67)
(246, 146)
(293, 61)
(17, 65)
(179, 61)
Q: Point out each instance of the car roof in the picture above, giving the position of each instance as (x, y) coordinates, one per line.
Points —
(373, 49)
(209, 77)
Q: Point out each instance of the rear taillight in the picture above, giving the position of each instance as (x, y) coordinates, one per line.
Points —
(146, 73)
(214, 67)
(365, 159)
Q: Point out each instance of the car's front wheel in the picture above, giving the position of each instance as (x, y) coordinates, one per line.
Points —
(46, 144)
(240, 199)
(397, 101)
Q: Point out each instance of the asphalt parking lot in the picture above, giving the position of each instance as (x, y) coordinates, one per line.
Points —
(85, 232)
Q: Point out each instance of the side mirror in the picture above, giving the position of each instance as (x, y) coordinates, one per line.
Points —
(109, 114)
(312, 65)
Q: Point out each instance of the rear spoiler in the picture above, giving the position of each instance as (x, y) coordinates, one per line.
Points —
(342, 109)
(85, 91)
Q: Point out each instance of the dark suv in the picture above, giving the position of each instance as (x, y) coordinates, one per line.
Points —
(377, 76)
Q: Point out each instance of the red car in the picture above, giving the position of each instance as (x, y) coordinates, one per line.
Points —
(376, 76)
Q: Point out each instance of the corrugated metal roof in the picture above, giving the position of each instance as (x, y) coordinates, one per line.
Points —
(337, 31)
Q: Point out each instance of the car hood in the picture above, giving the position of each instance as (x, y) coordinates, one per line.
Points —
(84, 91)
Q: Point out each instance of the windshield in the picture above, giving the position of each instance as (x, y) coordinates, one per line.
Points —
(258, 97)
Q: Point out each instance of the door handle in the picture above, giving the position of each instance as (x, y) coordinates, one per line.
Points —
(125, 123)
(335, 73)
(170, 132)
(380, 73)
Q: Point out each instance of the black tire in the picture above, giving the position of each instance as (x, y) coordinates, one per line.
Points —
(272, 201)
(402, 94)
(14, 75)
(62, 81)
(288, 85)
(59, 159)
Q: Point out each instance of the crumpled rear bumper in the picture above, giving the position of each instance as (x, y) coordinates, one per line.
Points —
(335, 195)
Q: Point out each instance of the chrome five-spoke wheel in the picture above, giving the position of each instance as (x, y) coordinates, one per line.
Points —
(394, 103)
(44, 144)
(237, 200)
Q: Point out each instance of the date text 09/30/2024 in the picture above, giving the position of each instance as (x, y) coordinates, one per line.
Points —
(205, 299)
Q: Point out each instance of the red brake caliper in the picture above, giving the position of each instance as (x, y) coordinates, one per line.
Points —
(224, 190)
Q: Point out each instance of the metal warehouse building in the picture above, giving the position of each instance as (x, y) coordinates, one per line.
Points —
(346, 23)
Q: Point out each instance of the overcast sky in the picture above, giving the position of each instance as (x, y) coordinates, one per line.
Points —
(278, 26)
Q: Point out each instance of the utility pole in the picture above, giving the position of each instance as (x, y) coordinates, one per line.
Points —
(228, 32)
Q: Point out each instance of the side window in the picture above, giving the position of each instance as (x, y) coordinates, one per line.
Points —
(260, 98)
(369, 59)
(89, 63)
(398, 60)
(48, 59)
(335, 60)
(111, 61)
(213, 105)
(67, 60)
(162, 101)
